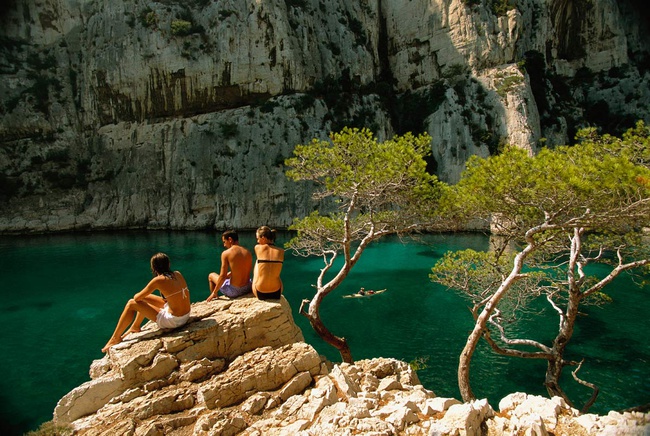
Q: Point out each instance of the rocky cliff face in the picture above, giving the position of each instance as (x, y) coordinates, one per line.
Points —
(240, 367)
(180, 114)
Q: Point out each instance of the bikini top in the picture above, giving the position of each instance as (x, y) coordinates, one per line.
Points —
(268, 261)
(184, 291)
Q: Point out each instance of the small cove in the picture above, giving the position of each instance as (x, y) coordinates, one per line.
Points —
(63, 293)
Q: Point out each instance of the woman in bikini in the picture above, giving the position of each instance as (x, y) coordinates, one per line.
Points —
(169, 311)
(267, 284)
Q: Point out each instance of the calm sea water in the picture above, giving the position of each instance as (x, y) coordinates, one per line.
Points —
(61, 296)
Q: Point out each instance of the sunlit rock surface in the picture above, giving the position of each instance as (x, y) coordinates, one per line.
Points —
(241, 367)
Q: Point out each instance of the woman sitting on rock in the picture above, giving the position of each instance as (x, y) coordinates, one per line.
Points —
(169, 311)
(267, 284)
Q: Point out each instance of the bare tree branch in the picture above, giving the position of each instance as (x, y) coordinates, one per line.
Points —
(593, 387)
(545, 353)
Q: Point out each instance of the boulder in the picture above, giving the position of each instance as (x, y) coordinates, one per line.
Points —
(241, 367)
(218, 331)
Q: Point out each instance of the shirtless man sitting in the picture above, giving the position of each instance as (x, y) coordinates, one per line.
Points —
(233, 279)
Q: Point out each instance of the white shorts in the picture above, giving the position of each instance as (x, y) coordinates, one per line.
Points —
(166, 320)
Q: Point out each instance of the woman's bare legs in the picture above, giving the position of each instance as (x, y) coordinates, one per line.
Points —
(135, 326)
(152, 300)
(132, 311)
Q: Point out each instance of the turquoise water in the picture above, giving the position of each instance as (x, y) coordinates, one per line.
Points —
(62, 295)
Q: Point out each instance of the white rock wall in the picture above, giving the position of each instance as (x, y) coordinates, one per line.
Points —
(134, 114)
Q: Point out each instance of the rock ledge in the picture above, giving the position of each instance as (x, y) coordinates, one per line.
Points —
(242, 367)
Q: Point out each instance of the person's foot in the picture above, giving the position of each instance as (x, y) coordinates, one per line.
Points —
(130, 331)
(110, 343)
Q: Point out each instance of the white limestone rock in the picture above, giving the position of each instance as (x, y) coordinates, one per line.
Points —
(345, 385)
(247, 323)
(259, 378)
(466, 418)
(220, 108)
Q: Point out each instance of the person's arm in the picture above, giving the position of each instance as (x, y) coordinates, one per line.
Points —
(224, 273)
(151, 286)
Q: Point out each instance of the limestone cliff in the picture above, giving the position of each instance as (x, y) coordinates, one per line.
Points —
(240, 367)
(179, 114)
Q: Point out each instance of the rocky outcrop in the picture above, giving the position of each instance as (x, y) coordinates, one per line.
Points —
(240, 367)
(180, 114)
(215, 334)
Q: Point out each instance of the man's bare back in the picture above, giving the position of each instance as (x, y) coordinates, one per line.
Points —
(240, 261)
(233, 279)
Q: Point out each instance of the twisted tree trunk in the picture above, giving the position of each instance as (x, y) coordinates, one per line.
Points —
(480, 326)
(313, 315)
